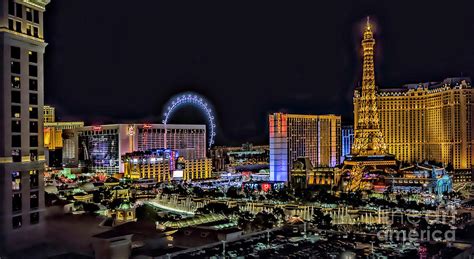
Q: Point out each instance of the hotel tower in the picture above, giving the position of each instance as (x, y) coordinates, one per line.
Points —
(22, 47)
(292, 136)
(430, 121)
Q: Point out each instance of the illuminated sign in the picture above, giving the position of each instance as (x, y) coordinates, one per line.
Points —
(97, 128)
(178, 174)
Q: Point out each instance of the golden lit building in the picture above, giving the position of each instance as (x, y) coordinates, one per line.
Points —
(197, 169)
(53, 132)
(153, 164)
(60, 142)
(429, 121)
(418, 122)
(49, 113)
(317, 137)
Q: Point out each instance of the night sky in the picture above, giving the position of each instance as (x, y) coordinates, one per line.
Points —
(120, 61)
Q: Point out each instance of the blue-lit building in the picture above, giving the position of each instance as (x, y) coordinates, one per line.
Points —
(317, 137)
(347, 140)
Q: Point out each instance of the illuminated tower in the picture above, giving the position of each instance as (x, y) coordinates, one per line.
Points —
(368, 136)
(368, 152)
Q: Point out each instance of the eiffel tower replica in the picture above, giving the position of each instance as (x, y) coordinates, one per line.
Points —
(369, 152)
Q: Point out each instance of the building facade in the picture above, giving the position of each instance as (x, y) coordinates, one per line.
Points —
(196, 169)
(347, 140)
(60, 143)
(429, 121)
(101, 147)
(188, 140)
(317, 137)
(152, 164)
(49, 114)
(22, 47)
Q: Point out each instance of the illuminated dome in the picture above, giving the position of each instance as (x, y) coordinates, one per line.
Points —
(125, 205)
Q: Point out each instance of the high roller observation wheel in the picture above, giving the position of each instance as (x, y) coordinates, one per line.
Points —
(193, 99)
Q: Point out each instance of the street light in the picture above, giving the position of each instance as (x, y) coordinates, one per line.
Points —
(223, 249)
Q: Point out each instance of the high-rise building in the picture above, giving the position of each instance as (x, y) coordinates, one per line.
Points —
(22, 47)
(418, 122)
(317, 137)
(429, 122)
(157, 164)
(100, 147)
(60, 143)
(49, 114)
(347, 140)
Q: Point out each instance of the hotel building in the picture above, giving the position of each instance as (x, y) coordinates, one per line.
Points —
(60, 143)
(347, 140)
(317, 137)
(152, 164)
(428, 121)
(101, 147)
(49, 113)
(22, 47)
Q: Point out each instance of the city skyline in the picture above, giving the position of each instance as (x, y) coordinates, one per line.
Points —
(280, 60)
(104, 153)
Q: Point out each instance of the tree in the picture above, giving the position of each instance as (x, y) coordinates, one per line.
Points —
(264, 220)
(279, 214)
(244, 221)
(90, 207)
(320, 220)
(146, 213)
(233, 192)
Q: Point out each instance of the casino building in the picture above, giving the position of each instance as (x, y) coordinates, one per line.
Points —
(101, 147)
(428, 121)
(317, 137)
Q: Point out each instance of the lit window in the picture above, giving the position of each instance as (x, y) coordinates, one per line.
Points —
(15, 81)
(16, 181)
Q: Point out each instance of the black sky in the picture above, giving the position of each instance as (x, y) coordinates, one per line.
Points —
(120, 61)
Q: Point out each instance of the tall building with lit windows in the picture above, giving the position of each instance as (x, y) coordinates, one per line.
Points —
(317, 137)
(429, 121)
(417, 122)
(49, 114)
(100, 147)
(347, 140)
(22, 47)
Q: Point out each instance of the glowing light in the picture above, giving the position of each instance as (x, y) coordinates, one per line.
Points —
(199, 102)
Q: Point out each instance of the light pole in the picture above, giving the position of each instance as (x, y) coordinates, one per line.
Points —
(268, 238)
(304, 229)
(223, 249)
(372, 246)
